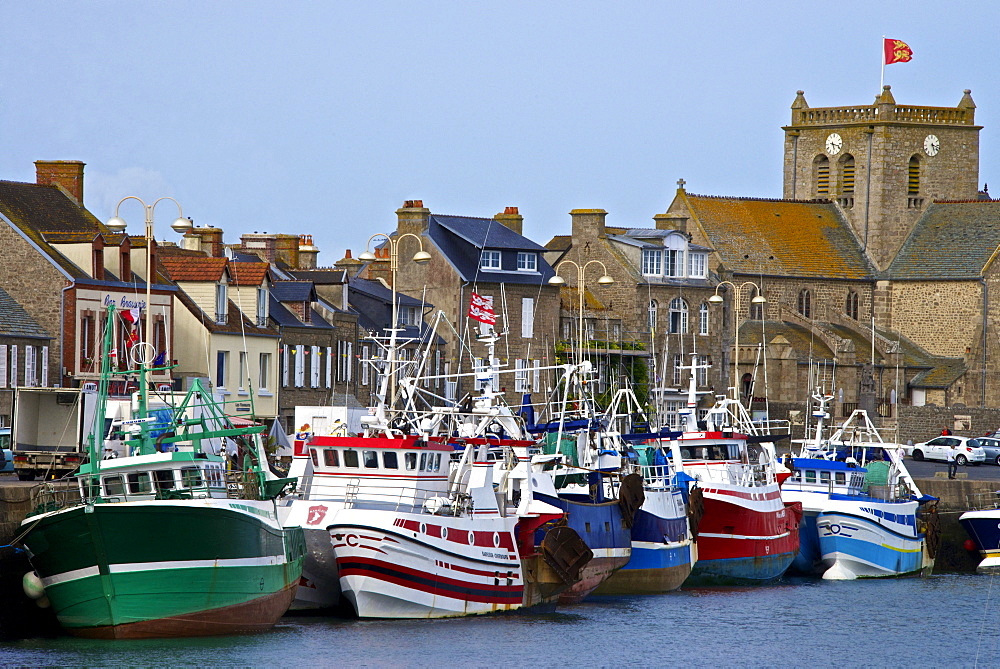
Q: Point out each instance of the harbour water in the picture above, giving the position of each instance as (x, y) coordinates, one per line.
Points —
(947, 620)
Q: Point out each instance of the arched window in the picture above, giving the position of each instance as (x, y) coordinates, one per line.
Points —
(821, 176)
(847, 174)
(703, 319)
(651, 315)
(913, 177)
(851, 308)
(754, 311)
(747, 386)
(678, 316)
(805, 303)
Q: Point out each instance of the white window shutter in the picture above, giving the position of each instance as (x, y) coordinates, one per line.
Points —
(45, 366)
(300, 366)
(3, 366)
(536, 382)
(314, 366)
(348, 362)
(284, 365)
(527, 317)
(13, 365)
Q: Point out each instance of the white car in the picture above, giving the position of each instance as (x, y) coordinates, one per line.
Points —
(937, 449)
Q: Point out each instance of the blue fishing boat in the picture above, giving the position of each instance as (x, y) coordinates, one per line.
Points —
(863, 516)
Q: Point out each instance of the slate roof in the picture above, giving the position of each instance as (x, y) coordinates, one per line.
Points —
(780, 237)
(462, 239)
(321, 276)
(248, 273)
(45, 209)
(803, 343)
(293, 291)
(952, 240)
(284, 317)
(194, 268)
(16, 322)
(377, 290)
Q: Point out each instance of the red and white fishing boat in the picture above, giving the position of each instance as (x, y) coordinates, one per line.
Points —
(746, 534)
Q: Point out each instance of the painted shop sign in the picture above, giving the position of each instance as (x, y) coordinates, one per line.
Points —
(124, 302)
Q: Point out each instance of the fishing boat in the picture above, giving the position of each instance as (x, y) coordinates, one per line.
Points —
(863, 515)
(165, 541)
(415, 527)
(982, 523)
(746, 534)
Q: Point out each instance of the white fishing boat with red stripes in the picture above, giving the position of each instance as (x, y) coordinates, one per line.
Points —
(746, 533)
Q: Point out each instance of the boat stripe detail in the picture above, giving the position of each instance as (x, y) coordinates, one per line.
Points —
(435, 585)
(742, 536)
(67, 576)
(124, 568)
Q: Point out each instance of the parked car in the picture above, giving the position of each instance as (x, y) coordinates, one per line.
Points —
(6, 455)
(991, 445)
(968, 450)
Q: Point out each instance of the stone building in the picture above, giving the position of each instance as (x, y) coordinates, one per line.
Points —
(19, 332)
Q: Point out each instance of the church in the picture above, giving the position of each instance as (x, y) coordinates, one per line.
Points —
(878, 267)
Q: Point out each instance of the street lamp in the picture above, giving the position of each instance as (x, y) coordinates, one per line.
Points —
(180, 226)
(757, 300)
(581, 272)
(420, 256)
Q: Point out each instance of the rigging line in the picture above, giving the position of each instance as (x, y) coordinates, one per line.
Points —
(982, 627)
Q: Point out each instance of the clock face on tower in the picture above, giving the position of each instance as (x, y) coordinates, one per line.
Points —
(932, 145)
(833, 144)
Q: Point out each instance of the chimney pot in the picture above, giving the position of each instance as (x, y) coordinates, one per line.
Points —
(419, 204)
(348, 253)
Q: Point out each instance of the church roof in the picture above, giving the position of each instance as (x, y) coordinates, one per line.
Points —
(779, 237)
(952, 240)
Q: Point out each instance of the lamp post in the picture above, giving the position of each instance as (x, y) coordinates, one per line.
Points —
(757, 299)
(420, 256)
(180, 226)
(581, 273)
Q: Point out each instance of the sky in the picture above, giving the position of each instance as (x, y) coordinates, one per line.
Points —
(321, 118)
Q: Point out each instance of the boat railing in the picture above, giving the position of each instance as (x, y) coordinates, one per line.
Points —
(982, 501)
(403, 499)
(656, 476)
(750, 475)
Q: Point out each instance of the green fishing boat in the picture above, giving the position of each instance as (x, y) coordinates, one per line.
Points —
(166, 540)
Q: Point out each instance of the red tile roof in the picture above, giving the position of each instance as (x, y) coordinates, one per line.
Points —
(194, 269)
(248, 273)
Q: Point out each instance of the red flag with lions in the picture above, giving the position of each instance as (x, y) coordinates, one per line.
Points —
(481, 309)
(896, 51)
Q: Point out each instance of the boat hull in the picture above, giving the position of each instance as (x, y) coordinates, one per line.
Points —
(747, 536)
(983, 527)
(395, 565)
(602, 529)
(662, 552)
(855, 546)
(166, 569)
(809, 560)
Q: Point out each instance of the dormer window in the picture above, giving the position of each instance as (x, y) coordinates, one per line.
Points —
(652, 262)
(527, 262)
(698, 264)
(407, 315)
(221, 303)
(490, 260)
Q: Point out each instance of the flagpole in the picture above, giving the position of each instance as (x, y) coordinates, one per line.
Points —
(881, 79)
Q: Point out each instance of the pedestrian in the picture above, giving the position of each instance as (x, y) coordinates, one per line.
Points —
(952, 462)
(946, 432)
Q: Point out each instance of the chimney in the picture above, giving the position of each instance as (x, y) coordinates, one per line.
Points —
(307, 252)
(65, 173)
(511, 219)
(587, 224)
(671, 222)
(412, 217)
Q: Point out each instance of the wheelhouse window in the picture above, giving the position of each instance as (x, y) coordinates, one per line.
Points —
(191, 477)
(139, 482)
(351, 459)
(411, 461)
(330, 457)
(389, 460)
(371, 460)
(527, 262)
(114, 485)
(490, 260)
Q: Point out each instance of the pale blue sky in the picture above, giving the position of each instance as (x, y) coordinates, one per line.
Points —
(323, 117)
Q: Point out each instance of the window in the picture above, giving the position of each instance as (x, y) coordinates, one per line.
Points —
(527, 317)
(87, 344)
(389, 460)
(821, 176)
(651, 262)
(241, 381)
(527, 262)
(490, 260)
(678, 316)
(703, 370)
(191, 477)
(262, 307)
(139, 482)
(221, 368)
(703, 318)
(697, 265)
(371, 460)
(315, 458)
(265, 366)
(364, 365)
(411, 461)
(351, 459)
(651, 315)
(407, 315)
(423, 462)
(221, 303)
(805, 307)
(674, 265)
(678, 361)
(913, 177)
(520, 376)
(847, 175)
(851, 308)
(330, 457)
(114, 485)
